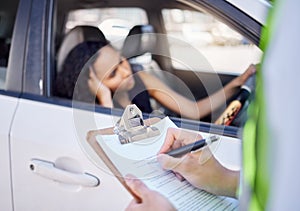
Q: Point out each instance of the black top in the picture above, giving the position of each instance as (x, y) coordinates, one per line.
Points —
(139, 94)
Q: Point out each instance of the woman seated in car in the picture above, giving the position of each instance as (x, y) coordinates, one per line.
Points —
(95, 70)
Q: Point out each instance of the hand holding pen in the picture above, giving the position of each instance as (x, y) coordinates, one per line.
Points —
(193, 147)
(199, 168)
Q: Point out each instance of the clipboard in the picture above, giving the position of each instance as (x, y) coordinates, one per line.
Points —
(156, 176)
(101, 153)
(124, 123)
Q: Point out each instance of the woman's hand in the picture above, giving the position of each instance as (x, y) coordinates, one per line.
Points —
(101, 91)
(240, 80)
(151, 200)
(200, 168)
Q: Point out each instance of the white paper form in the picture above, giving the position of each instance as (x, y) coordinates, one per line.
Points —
(139, 159)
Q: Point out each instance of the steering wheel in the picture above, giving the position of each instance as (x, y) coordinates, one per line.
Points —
(236, 112)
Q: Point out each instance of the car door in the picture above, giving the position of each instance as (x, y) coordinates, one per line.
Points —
(49, 166)
(7, 104)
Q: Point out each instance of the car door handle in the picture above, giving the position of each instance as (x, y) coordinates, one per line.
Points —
(48, 170)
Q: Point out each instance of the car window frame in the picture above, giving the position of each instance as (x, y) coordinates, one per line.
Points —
(46, 97)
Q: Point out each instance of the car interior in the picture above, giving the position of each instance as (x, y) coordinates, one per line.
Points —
(130, 25)
(7, 17)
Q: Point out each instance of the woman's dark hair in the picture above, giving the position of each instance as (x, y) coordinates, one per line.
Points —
(68, 84)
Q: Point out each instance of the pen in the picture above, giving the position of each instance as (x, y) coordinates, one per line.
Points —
(193, 146)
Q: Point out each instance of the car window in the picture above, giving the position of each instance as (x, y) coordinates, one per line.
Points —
(226, 50)
(115, 23)
(7, 20)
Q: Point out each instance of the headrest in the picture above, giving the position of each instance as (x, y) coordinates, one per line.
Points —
(75, 36)
(140, 40)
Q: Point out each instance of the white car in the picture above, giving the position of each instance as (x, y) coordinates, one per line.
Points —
(45, 161)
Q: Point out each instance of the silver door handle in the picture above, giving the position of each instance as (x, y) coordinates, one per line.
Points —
(48, 170)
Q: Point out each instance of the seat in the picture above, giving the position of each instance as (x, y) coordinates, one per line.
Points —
(75, 36)
(140, 40)
(138, 47)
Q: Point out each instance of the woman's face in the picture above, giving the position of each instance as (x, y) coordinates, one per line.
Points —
(113, 70)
